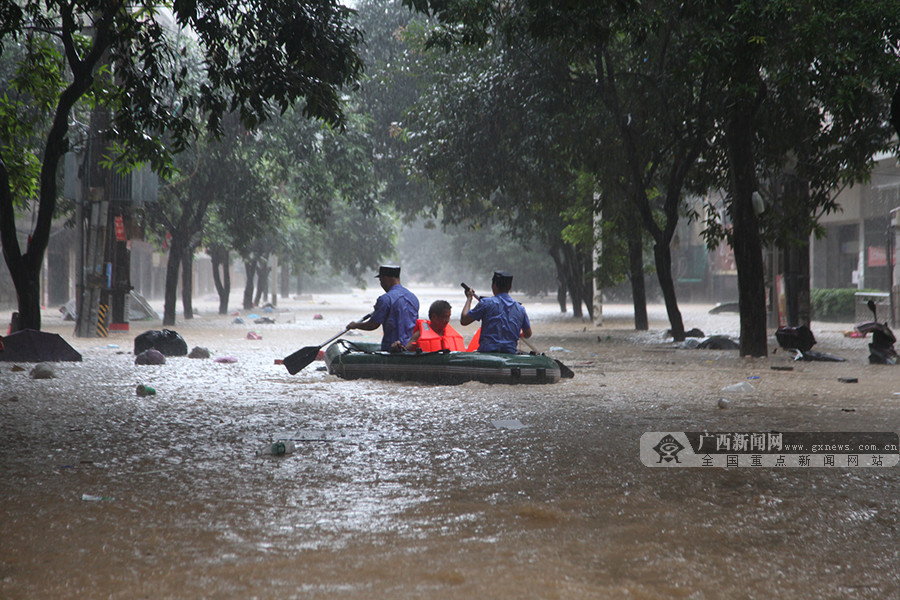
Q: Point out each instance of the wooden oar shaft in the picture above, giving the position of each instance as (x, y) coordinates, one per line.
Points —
(302, 357)
(331, 339)
(527, 343)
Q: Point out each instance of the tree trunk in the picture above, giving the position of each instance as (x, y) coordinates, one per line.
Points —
(560, 278)
(578, 281)
(25, 269)
(28, 292)
(171, 293)
(262, 283)
(572, 279)
(796, 284)
(285, 274)
(663, 255)
(795, 258)
(220, 262)
(26, 279)
(250, 270)
(576, 302)
(746, 240)
(562, 298)
(226, 286)
(636, 275)
(187, 284)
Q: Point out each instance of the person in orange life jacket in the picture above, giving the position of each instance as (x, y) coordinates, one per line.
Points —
(503, 320)
(436, 333)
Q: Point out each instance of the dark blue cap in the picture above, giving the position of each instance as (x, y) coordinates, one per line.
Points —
(388, 271)
(502, 278)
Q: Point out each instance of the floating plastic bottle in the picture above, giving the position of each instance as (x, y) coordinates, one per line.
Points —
(742, 387)
(279, 448)
(144, 390)
(93, 498)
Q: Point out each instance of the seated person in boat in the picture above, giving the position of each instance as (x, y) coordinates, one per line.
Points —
(396, 311)
(503, 320)
(436, 333)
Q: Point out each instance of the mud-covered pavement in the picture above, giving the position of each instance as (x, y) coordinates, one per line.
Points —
(409, 491)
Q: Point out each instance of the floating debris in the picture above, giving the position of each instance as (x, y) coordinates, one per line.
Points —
(508, 424)
(92, 498)
(42, 371)
(144, 390)
(199, 352)
(739, 387)
(150, 357)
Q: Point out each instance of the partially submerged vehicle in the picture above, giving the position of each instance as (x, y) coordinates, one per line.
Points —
(354, 360)
(881, 350)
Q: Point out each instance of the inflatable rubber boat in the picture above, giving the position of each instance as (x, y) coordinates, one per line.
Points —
(355, 360)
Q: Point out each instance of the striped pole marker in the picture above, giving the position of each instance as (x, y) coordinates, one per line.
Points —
(102, 312)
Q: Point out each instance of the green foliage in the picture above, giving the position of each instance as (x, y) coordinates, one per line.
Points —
(355, 242)
(837, 304)
(329, 176)
(392, 84)
(475, 131)
(469, 21)
(257, 58)
(151, 91)
(492, 140)
(30, 84)
(819, 90)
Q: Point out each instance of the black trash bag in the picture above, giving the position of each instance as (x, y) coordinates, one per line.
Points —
(718, 342)
(795, 338)
(690, 333)
(168, 342)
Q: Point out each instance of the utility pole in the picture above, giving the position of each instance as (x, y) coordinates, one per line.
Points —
(104, 215)
(92, 225)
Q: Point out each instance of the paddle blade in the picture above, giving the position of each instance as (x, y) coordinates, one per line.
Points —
(299, 359)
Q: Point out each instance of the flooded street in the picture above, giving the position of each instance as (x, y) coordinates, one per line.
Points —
(402, 490)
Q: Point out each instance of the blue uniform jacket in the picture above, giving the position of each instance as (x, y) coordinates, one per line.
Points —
(502, 320)
(397, 312)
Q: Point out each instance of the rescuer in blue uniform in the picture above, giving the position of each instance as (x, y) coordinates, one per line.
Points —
(503, 319)
(396, 311)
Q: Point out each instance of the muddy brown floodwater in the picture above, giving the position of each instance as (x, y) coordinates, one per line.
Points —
(401, 490)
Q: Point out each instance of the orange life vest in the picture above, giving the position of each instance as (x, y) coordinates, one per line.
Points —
(430, 341)
(473, 343)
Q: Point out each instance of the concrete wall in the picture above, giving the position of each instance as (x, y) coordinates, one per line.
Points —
(859, 236)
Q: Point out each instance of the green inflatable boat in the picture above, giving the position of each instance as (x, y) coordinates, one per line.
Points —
(355, 360)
